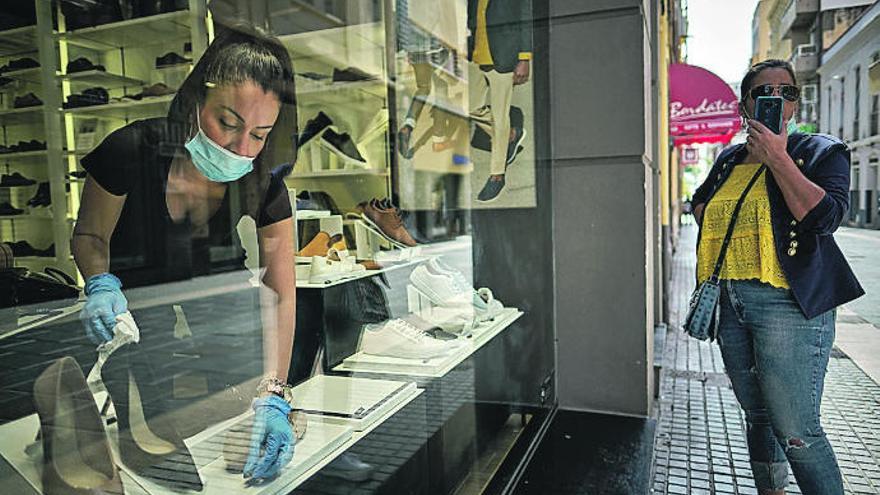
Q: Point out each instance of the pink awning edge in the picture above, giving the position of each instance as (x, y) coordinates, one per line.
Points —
(702, 107)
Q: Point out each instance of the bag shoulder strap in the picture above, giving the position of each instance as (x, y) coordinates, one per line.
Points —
(723, 252)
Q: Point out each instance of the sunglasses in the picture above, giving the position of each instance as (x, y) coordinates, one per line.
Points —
(788, 91)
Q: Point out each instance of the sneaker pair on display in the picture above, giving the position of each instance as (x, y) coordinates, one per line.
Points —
(407, 338)
(447, 287)
(340, 144)
(383, 218)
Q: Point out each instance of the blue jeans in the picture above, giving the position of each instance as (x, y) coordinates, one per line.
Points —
(776, 360)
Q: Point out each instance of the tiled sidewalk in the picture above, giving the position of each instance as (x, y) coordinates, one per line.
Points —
(700, 446)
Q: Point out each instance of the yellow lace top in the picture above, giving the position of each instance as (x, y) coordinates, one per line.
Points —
(751, 253)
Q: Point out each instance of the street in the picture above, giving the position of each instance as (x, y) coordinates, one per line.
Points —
(862, 250)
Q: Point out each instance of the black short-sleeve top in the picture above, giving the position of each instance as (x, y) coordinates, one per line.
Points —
(147, 246)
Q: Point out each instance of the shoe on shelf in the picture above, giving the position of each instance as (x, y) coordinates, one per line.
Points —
(441, 288)
(150, 442)
(317, 200)
(349, 467)
(158, 89)
(325, 269)
(83, 64)
(486, 307)
(401, 339)
(352, 74)
(42, 197)
(76, 452)
(429, 327)
(28, 100)
(320, 245)
(342, 145)
(78, 174)
(171, 59)
(515, 147)
(491, 189)
(15, 179)
(385, 219)
(23, 63)
(313, 76)
(8, 210)
(313, 127)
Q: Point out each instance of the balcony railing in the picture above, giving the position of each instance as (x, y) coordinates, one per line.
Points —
(798, 14)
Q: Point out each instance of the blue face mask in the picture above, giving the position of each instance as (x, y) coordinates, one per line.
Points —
(214, 161)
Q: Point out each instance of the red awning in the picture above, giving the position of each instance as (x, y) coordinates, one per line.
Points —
(702, 107)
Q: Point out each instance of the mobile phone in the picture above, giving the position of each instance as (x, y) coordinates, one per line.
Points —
(768, 111)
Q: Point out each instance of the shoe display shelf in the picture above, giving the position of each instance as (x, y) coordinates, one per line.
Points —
(107, 80)
(30, 75)
(18, 40)
(22, 116)
(125, 110)
(24, 156)
(390, 267)
(483, 333)
(139, 31)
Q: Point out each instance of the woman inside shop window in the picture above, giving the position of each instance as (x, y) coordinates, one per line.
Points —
(161, 206)
(781, 280)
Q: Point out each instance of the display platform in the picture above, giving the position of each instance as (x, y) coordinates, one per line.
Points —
(437, 367)
(356, 402)
(390, 266)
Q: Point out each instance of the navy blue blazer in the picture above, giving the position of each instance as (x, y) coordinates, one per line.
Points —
(817, 272)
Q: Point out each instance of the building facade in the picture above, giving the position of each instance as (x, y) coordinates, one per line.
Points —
(850, 72)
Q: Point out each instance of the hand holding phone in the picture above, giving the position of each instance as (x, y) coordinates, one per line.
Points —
(768, 111)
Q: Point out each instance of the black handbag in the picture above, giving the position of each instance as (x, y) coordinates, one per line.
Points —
(703, 314)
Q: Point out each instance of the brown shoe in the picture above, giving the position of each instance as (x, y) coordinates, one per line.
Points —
(76, 452)
(321, 244)
(387, 221)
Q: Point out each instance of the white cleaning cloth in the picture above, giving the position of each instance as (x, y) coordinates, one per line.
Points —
(125, 332)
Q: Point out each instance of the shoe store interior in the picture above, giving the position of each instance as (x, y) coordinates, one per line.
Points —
(272, 246)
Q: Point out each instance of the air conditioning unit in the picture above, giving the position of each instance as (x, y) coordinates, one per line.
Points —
(809, 93)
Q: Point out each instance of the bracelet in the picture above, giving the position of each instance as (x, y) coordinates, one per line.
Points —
(273, 385)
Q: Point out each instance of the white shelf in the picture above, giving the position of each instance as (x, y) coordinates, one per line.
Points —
(156, 106)
(25, 216)
(338, 173)
(107, 80)
(18, 40)
(23, 155)
(161, 28)
(22, 116)
(305, 284)
(30, 75)
(361, 362)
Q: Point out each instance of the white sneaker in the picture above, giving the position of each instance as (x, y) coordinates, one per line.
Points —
(485, 304)
(441, 288)
(324, 270)
(457, 320)
(400, 339)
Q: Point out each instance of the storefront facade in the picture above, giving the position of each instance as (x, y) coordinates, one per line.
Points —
(467, 194)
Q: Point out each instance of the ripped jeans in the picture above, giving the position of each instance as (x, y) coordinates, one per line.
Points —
(776, 360)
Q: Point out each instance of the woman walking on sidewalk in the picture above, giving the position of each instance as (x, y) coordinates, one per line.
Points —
(782, 278)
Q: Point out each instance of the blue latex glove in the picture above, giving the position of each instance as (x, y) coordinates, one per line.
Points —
(104, 300)
(272, 440)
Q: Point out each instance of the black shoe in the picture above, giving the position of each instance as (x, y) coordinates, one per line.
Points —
(317, 200)
(5, 80)
(514, 148)
(351, 74)
(78, 174)
(42, 197)
(83, 64)
(7, 209)
(28, 100)
(342, 145)
(313, 128)
(491, 190)
(23, 248)
(15, 180)
(23, 63)
(171, 59)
